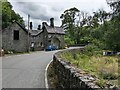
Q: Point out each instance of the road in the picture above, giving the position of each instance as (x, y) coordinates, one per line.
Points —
(25, 70)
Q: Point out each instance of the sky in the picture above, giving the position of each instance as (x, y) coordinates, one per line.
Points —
(43, 10)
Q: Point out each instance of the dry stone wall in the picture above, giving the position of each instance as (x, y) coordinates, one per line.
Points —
(73, 78)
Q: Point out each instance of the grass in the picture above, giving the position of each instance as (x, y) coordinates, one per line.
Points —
(105, 68)
(11, 52)
(52, 78)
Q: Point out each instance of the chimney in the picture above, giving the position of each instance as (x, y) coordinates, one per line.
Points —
(31, 25)
(52, 22)
(39, 27)
(44, 24)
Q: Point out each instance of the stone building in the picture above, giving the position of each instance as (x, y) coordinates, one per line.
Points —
(16, 38)
(53, 35)
(36, 40)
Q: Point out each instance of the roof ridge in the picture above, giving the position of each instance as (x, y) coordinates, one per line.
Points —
(54, 30)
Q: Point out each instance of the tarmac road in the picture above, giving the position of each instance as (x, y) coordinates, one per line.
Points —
(25, 70)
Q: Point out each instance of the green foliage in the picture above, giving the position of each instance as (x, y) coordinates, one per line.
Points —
(8, 15)
(84, 40)
(112, 36)
(115, 5)
(103, 67)
(100, 83)
(101, 29)
(91, 50)
(74, 31)
(68, 20)
(68, 17)
(100, 44)
(109, 76)
(68, 40)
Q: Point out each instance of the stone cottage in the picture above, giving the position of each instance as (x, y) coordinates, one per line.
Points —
(36, 40)
(53, 35)
(16, 38)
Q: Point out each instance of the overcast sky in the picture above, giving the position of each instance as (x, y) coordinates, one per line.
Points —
(43, 10)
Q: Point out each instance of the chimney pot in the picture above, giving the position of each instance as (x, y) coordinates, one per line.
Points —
(52, 22)
(39, 27)
(44, 24)
(31, 25)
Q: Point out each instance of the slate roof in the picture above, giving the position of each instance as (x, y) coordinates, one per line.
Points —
(31, 32)
(35, 32)
(51, 30)
(55, 29)
(21, 26)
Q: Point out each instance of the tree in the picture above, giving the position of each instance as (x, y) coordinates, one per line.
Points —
(115, 6)
(114, 30)
(101, 29)
(8, 15)
(68, 17)
(68, 21)
(73, 20)
(82, 21)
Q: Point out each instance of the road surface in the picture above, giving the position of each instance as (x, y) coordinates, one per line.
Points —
(25, 70)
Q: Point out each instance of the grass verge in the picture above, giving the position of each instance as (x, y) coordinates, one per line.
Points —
(105, 68)
(52, 78)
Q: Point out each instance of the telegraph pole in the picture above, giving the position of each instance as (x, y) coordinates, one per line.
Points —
(28, 33)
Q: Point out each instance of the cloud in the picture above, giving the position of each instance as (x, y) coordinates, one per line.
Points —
(43, 10)
(36, 11)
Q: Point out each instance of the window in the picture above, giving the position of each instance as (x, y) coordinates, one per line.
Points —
(49, 36)
(16, 35)
(32, 44)
(41, 44)
(49, 41)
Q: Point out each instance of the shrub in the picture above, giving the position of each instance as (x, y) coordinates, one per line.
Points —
(98, 43)
(90, 49)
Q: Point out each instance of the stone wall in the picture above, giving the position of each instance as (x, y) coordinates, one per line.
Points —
(60, 38)
(70, 76)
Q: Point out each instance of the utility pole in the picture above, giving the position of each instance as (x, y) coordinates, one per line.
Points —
(79, 19)
(28, 33)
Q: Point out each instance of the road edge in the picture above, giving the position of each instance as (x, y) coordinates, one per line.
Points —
(46, 79)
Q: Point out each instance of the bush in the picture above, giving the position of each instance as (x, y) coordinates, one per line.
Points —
(68, 41)
(98, 43)
(85, 40)
(90, 50)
